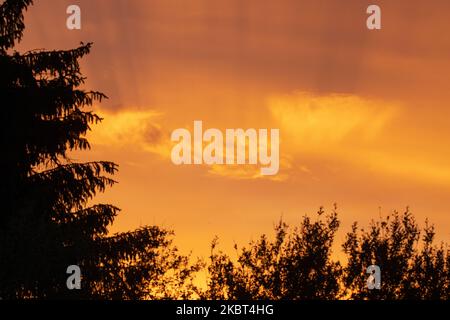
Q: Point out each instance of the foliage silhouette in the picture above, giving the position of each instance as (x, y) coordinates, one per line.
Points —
(410, 269)
(45, 221)
(293, 266)
(298, 265)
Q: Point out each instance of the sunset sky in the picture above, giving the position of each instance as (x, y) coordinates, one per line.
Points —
(363, 115)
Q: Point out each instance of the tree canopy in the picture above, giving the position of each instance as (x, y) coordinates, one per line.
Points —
(297, 263)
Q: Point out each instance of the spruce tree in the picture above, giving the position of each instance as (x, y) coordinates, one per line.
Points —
(45, 221)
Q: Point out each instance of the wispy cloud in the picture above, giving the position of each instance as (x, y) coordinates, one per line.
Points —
(321, 123)
(131, 129)
(329, 127)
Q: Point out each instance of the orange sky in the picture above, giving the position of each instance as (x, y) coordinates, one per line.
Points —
(363, 115)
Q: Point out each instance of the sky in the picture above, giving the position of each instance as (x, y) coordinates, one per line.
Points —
(363, 114)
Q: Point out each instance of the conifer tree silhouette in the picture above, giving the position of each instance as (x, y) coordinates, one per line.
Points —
(45, 223)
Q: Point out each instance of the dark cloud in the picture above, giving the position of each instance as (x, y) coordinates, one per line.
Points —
(152, 134)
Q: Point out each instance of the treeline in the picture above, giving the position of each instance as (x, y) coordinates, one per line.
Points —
(297, 263)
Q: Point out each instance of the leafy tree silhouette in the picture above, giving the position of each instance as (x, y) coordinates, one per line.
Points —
(297, 264)
(429, 274)
(294, 266)
(45, 223)
(407, 271)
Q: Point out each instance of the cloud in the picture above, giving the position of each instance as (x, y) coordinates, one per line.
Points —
(331, 126)
(251, 172)
(316, 123)
(318, 130)
(315, 131)
(131, 129)
(355, 131)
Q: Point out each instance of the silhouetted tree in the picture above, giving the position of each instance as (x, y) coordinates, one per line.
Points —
(295, 265)
(45, 221)
(429, 275)
(407, 272)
